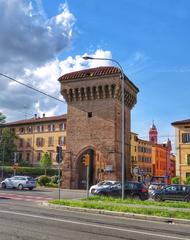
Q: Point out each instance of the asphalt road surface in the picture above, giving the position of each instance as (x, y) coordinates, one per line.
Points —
(22, 219)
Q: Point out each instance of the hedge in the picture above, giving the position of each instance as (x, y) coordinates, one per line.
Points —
(31, 171)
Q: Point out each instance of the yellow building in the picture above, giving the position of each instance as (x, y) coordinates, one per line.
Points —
(141, 157)
(134, 151)
(182, 136)
(37, 136)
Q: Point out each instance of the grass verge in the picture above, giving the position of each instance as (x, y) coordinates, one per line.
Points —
(171, 204)
(120, 206)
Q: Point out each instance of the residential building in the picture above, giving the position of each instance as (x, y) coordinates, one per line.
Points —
(134, 151)
(141, 158)
(37, 136)
(182, 137)
(145, 159)
(152, 160)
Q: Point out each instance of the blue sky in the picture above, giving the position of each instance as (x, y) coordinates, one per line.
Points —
(149, 38)
(151, 41)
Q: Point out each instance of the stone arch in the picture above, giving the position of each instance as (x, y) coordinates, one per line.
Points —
(81, 168)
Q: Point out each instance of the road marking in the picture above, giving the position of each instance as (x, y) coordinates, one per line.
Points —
(93, 225)
(25, 197)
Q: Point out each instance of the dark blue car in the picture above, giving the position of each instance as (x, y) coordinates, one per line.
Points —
(135, 190)
(173, 192)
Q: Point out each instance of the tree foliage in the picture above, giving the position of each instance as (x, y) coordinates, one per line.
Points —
(45, 162)
(175, 180)
(2, 118)
(187, 181)
(7, 146)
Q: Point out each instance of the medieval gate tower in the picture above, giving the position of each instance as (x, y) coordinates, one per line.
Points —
(94, 125)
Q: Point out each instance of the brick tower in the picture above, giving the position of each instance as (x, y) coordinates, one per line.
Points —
(94, 124)
(153, 134)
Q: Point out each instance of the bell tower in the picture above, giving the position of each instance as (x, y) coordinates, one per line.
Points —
(94, 124)
(153, 134)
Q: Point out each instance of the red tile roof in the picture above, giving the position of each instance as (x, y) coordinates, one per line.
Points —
(93, 72)
(37, 120)
(186, 121)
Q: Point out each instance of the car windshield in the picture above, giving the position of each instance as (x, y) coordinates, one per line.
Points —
(30, 179)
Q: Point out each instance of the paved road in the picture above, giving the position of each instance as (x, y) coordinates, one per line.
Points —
(20, 220)
(40, 194)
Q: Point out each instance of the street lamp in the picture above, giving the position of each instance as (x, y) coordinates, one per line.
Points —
(3, 155)
(122, 118)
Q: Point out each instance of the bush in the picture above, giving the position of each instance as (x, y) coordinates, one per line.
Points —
(44, 180)
(187, 181)
(29, 171)
(54, 179)
(53, 185)
(175, 180)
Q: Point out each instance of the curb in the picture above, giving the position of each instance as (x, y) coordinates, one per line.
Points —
(119, 214)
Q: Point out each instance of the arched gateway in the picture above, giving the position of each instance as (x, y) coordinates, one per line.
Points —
(94, 124)
(81, 169)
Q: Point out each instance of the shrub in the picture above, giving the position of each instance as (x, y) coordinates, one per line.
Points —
(175, 180)
(44, 180)
(187, 181)
(54, 179)
(29, 171)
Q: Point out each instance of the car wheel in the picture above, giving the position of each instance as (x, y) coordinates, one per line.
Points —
(136, 197)
(187, 199)
(20, 187)
(4, 186)
(92, 191)
(157, 198)
(30, 188)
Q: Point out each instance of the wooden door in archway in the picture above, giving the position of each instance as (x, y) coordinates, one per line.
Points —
(82, 180)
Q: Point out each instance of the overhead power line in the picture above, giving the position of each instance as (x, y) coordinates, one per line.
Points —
(30, 87)
(57, 99)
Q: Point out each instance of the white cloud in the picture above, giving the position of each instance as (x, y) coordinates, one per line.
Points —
(29, 43)
(28, 38)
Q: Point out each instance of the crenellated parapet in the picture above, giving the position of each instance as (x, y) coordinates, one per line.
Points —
(97, 92)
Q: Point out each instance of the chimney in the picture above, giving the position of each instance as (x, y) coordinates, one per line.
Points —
(44, 115)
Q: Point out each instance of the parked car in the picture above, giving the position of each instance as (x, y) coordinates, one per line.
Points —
(19, 182)
(135, 190)
(155, 186)
(173, 192)
(101, 185)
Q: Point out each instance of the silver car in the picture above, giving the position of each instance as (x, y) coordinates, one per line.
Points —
(19, 182)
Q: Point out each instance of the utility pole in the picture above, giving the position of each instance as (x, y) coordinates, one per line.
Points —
(59, 159)
(86, 162)
(3, 159)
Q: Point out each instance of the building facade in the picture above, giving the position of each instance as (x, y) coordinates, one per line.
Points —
(152, 160)
(141, 158)
(94, 125)
(182, 137)
(37, 136)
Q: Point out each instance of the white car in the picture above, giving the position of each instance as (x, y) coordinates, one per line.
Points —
(102, 184)
(19, 182)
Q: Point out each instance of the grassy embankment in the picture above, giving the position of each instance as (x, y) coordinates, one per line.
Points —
(162, 209)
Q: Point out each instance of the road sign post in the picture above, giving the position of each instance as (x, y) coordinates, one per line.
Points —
(59, 159)
(86, 162)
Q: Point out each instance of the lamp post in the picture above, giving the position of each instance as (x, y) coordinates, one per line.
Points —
(122, 117)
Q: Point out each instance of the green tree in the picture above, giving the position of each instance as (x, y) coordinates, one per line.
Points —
(7, 146)
(45, 162)
(187, 181)
(2, 118)
(175, 180)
